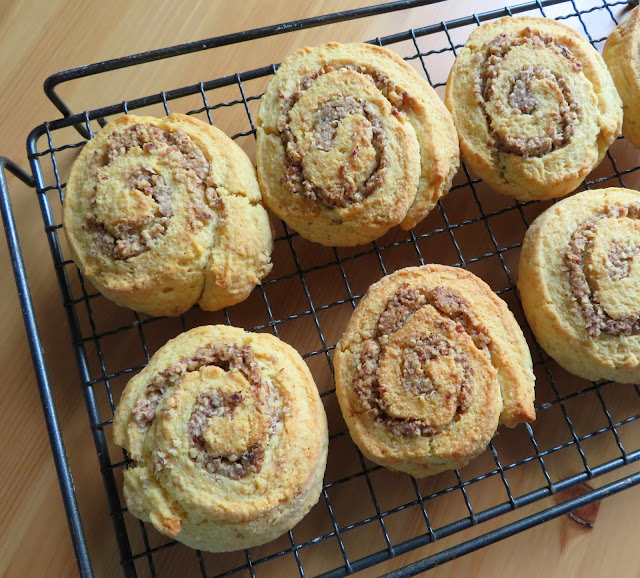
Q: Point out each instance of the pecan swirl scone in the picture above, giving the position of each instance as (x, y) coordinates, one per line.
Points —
(622, 55)
(161, 214)
(429, 364)
(534, 104)
(580, 283)
(351, 142)
(228, 436)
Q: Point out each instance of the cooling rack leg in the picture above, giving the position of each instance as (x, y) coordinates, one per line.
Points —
(37, 354)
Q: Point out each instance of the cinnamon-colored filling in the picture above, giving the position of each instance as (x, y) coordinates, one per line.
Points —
(596, 317)
(133, 235)
(423, 348)
(232, 466)
(208, 405)
(618, 262)
(330, 116)
(559, 127)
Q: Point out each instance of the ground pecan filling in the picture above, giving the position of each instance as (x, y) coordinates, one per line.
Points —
(130, 237)
(427, 348)
(228, 357)
(561, 125)
(597, 320)
(231, 466)
(330, 115)
(402, 305)
(618, 260)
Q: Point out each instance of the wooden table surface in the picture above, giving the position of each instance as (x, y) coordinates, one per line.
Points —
(40, 38)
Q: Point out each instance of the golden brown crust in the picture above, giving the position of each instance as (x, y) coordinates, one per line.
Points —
(161, 214)
(352, 141)
(429, 363)
(579, 281)
(229, 439)
(534, 106)
(622, 55)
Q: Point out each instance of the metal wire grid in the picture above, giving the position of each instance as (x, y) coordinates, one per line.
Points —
(84, 305)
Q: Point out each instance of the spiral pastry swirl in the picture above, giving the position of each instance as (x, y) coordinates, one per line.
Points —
(228, 437)
(579, 280)
(352, 141)
(161, 214)
(534, 105)
(622, 55)
(429, 363)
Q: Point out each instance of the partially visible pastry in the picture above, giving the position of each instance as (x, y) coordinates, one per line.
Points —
(228, 436)
(429, 364)
(622, 55)
(351, 142)
(534, 104)
(161, 214)
(580, 283)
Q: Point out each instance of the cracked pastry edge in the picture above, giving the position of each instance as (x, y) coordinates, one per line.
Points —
(222, 278)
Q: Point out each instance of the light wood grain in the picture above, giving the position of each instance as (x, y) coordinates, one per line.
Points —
(40, 38)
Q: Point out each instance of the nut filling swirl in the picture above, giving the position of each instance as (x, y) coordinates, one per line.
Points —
(597, 261)
(368, 133)
(352, 141)
(140, 221)
(229, 439)
(212, 406)
(232, 466)
(430, 363)
(423, 329)
(161, 214)
(344, 192)
(534, 104)
(519, 97)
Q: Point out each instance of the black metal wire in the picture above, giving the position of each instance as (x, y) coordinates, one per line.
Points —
(37, 354)
(98, 378)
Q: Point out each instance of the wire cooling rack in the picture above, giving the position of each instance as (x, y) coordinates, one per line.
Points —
(366, 514)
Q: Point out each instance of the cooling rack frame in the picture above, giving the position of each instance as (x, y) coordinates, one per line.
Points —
(72, 302)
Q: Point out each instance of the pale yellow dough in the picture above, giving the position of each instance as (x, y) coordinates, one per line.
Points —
(622, 55)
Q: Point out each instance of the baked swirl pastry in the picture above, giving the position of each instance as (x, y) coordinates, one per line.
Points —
(229, 439)
(622, 55)
(534, 105)
(161, 214)
(428, 365)
(580, 283)
(352, 141)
